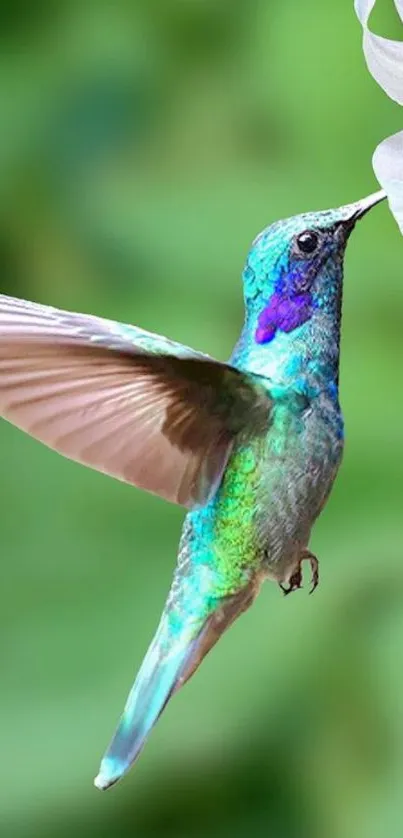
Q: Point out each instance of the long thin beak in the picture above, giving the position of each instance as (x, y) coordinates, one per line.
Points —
(353, 212)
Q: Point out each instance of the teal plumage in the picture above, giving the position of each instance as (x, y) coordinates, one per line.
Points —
(251, 447)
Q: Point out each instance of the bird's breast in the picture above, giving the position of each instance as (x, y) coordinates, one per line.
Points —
(274, 487)
(302, 456)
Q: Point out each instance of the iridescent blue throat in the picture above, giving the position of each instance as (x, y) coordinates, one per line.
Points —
(284, 314)
(290, 305)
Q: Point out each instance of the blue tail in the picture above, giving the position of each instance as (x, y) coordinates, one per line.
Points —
(171, 659)
(165, 667)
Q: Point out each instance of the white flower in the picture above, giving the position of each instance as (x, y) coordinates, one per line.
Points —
(384, 59)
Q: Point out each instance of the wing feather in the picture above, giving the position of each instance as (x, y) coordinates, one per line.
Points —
(134, 405)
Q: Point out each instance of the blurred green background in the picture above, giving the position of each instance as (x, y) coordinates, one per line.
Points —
(142, 146)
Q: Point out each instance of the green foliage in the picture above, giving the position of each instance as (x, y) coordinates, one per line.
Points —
(143, 145)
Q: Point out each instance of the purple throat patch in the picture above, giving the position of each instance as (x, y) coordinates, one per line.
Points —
(283, 314)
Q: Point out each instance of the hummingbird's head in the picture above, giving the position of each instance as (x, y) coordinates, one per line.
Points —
(294, 269)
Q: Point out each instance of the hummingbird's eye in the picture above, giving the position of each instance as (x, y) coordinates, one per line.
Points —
(307, 241)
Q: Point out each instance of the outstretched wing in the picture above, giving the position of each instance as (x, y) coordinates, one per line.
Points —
(126, 402)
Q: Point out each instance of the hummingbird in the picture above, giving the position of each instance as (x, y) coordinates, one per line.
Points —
(250, 447)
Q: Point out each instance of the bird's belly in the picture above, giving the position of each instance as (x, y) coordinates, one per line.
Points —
(296, 480)
(294, 501)
(273, 489)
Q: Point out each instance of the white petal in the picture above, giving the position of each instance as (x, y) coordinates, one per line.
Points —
(388, 167)
(384, 57)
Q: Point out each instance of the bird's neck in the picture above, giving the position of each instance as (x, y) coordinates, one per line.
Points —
(307, 358)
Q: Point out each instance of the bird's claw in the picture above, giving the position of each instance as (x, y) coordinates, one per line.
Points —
(295, 581)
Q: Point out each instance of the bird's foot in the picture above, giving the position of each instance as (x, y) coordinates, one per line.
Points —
(295, 581)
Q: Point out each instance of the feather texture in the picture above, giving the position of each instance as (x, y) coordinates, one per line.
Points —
(128, 403)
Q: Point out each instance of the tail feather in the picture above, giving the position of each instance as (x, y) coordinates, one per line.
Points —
(169, 663)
